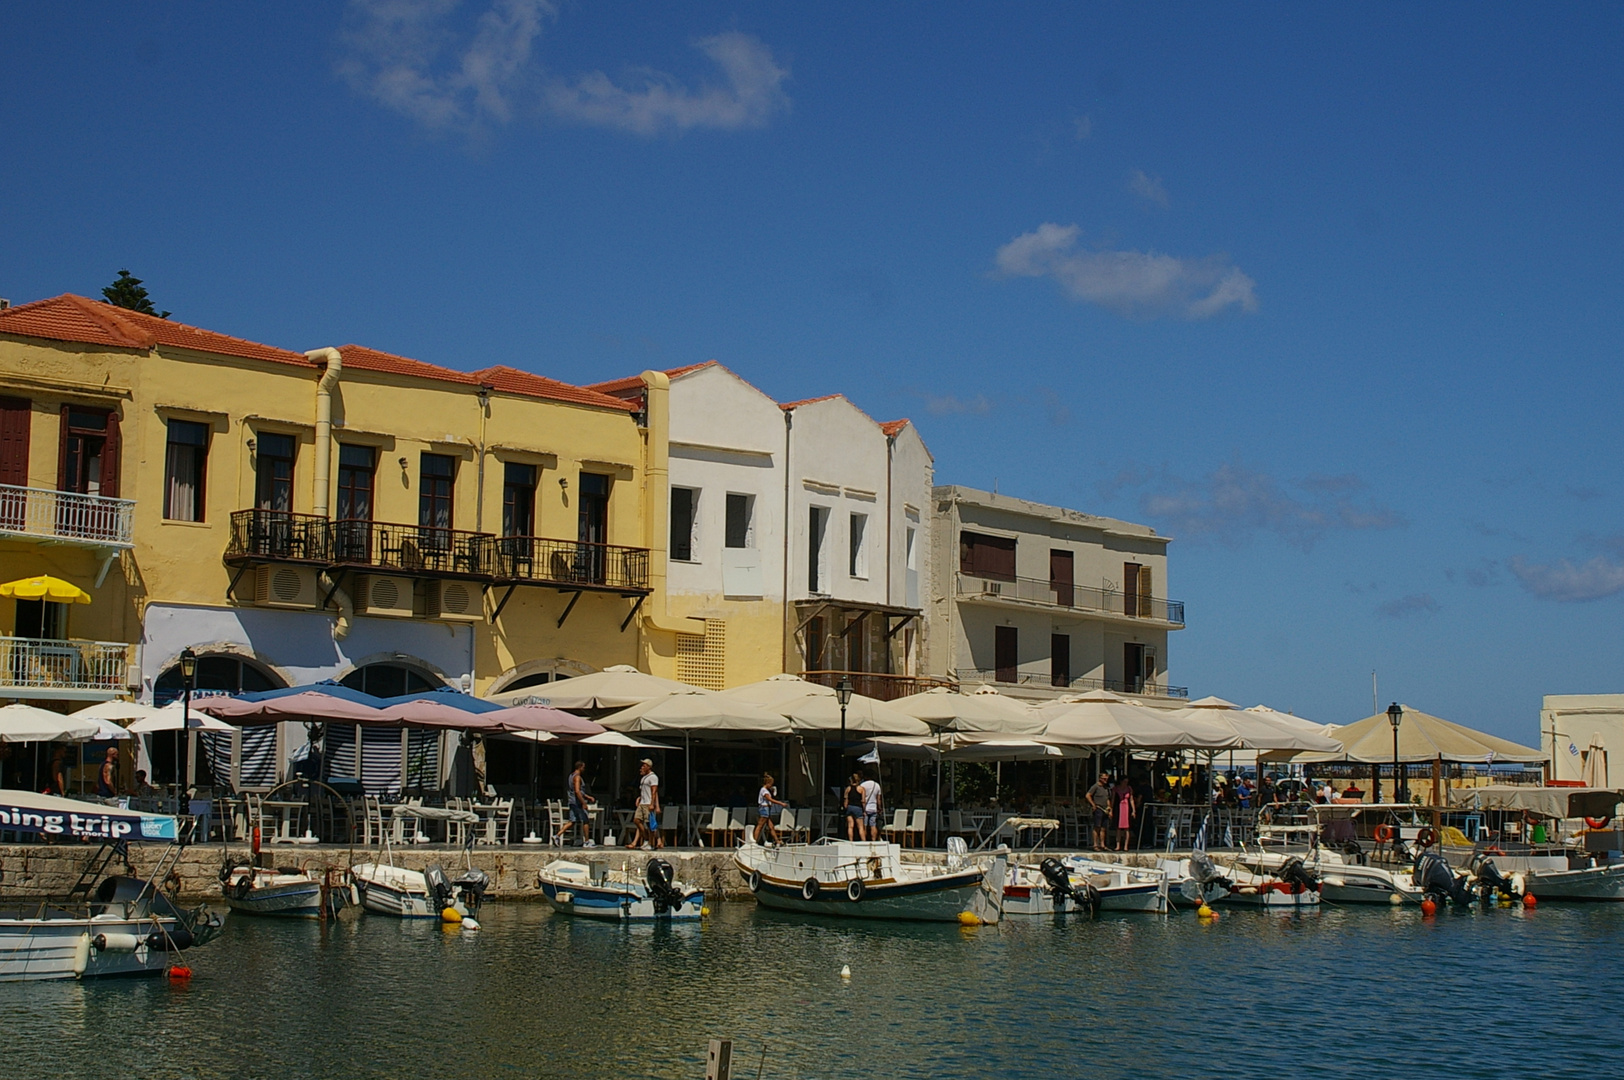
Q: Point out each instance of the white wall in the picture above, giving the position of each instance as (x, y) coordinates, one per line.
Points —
(1577, 720)
(838, 461)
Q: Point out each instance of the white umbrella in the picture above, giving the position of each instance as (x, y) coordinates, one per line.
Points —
(621, 740)
(815, 708)
(986, 712)
(1260, 730)
(699, 710)
(26, 723)
(615, 687)
(169, 718)
(1098, 721)
(116, 710)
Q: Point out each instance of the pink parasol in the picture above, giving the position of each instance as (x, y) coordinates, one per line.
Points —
(309, 705)
(424, 713)
(541, 718)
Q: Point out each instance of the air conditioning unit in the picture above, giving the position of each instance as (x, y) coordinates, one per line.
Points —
(285, 586)
(383, 595)
(454, 601)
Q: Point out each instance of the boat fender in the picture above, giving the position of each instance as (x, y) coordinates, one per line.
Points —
(180, 938)
(243, 885)
(116, 942)
(854, 890)
(809, 889)
(470, 923)
(1384, 834)
(754, 881)
(1598, 822)
(81, 954)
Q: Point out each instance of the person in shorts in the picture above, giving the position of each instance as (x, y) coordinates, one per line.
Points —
(647, 818)
(853, 799)
(1099, 803)
(578, 800)
(872, 806)
(767, 806)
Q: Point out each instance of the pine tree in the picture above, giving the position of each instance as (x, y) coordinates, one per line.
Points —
(127, 292)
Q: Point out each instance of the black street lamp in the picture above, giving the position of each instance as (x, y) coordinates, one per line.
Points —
(843, 695)
(1395, 715)
(188, 675)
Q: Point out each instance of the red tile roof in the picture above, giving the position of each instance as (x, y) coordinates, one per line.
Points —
(504, 379)
(788, 405)
(635, 382)
(92, 322)
(891, 427)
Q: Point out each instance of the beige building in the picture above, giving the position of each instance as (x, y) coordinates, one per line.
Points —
(1580, 734)
(1040, 601)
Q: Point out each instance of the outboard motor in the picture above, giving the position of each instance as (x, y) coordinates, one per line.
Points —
(1205, 871)
(659, 876)
(1086, 898)
(1295, 872)
(1433, 876)
(471, 885)
(1491, 883)
(441, 894)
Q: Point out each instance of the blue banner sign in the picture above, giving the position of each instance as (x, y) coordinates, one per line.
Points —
(48, 815)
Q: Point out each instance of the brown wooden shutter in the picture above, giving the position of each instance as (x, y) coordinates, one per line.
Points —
(112, 450)
(62, 453)
(1145, 609)
(14, 423)
(1060, 577)
(1130, 588)
(1006, 653)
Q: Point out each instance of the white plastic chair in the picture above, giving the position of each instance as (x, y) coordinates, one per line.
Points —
(898, 828)
(916, 827)
(718, 823)
(736, 818)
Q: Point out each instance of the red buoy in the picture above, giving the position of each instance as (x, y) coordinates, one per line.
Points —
(1429, 906)
(1528, 900)
(179, 973)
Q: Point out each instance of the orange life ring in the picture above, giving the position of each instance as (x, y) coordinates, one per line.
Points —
(1598, 822)
(1384, 833)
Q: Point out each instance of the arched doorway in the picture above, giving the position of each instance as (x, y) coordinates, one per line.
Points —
(256, 754)
(391, 680)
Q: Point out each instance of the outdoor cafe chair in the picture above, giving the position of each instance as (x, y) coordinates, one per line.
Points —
(494, 819)
(898, 828)
(556, 819)
(960, 824)
(718, 824)
(736, 818)
(916, 827)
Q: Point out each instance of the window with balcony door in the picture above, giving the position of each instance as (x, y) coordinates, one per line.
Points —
(741, 523)
(352, 514)
(817, 526)
(186, 461)
(437, 478)
(89, 456)
(41, 619)
(15, 417)
(1006, 654)
(592, 527)
(1136, 590)
(1060, 659)
(987, 556)
(273, 472)
(858, 567)
(518, 499)
(684, 523)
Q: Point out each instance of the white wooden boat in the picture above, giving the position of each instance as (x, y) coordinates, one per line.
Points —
(1584, 862)
(417, 894)
(286, 892)
(593, 890)
(869, 880)
(121, 925)
(1343, 878)
(1082, 885)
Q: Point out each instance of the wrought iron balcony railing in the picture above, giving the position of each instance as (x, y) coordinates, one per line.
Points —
(278, 536)
(48, 664)
(877, 684)
(539, 560)
(66, 516)
(1057, 594)
(410, 549)
(1146, 687)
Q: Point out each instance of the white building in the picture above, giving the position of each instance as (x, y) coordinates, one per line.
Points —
(1041, 601)
(795, 535)
(1577, 727)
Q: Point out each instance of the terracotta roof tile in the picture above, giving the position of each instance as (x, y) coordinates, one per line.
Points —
(92, 322)
(788, 405)
(891, 427)
(635, 382)
(505, 379)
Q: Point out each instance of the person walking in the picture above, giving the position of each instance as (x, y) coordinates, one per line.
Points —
(767, 806)
(579, 798)
(1099, 808)
(853, 798)
(872, 806)
(1126, 808)
(107, 778)
(647, 818)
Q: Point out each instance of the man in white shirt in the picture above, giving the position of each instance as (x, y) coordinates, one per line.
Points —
(647, 818)
(869, 789)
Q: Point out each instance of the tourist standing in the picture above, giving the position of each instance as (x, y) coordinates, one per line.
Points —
(578, 800)
(853, 798)
(1122, 795)
(107, 778)
(1099, 811)
(872, 803)
(767, 807)
(647, 817)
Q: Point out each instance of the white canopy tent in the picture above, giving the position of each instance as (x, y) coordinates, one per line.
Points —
(985, 711)
(615, 687)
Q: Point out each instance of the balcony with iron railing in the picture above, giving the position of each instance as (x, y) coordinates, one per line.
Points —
(1060, 595)
(66, 517)
(1144, 687)
(260, 536)
(877, 684)
(537, 560)
(61, 668)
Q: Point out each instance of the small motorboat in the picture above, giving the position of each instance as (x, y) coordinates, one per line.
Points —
(593, 890)
(287, 891)
(1529, 837)
(1344, 876)
(418, 894)
(869, 880)
(1085, 886)
(1293, 885)
(107, 925)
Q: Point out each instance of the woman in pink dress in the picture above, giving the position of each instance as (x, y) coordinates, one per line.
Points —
(1122, 795)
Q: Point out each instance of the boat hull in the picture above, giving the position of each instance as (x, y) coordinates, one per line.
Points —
(278, 897)
(389, 890)
(617, 905)
(38, 949)
(868, 881)
(1604, 883)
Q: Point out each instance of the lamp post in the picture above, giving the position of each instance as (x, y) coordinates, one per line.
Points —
(188, 674)
(843, 695)
(1395, 715)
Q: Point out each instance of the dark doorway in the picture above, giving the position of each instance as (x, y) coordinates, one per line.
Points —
(1134, 675)
(437, 478)
(1060, 577)
(1006, 653)
(592, 527)
(1060, 659)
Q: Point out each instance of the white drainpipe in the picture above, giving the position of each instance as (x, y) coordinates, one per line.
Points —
(324, 471)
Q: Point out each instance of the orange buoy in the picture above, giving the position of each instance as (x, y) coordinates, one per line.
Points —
(179, 973)
(1528, 900)
(1429, 906)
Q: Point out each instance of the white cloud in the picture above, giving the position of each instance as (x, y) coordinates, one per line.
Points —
(1405, 606)
(417, 58)
(1570, 582)
(1147, 187)
(752, 93)
(948, 405)
(1128, 282)
(1232, 503)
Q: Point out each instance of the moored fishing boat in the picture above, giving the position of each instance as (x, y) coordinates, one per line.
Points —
(593, 890)
(1344, 877)
(109, 925)
(1589, 865)
(288, 892)
(418, 894)
(1082, 885)
(869, 880)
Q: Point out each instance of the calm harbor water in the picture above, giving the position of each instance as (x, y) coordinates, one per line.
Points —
(1373, 993)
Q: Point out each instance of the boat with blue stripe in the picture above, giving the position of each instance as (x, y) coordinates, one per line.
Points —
(597, 892)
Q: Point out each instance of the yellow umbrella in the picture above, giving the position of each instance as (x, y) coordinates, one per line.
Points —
(45, 587)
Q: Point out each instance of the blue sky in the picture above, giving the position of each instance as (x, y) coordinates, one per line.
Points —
(1332, 297)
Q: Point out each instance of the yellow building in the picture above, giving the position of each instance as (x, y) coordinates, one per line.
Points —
(340, 514)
